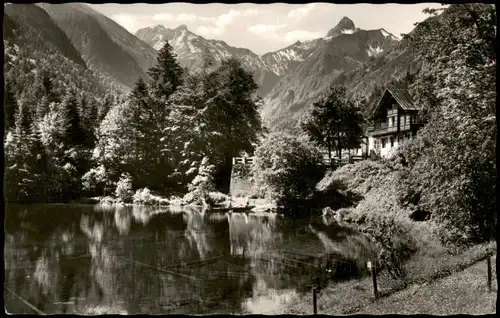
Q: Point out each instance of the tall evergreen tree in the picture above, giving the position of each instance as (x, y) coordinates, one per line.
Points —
(167, 75)
(42, 108)
(24, 119)
(48, 88)
(104, 107)
(92, 112)
(26, 160)
(88, 114)
(9, 106)
(75, 135)
(149, 121)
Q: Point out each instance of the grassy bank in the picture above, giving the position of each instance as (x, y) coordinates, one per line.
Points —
(353, 296)
(463, 292)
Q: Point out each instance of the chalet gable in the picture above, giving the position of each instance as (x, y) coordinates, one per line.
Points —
(402, 98)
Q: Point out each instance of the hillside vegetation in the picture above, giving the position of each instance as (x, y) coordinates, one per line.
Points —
(436, 195)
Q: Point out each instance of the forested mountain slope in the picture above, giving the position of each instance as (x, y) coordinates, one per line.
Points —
(104, 45)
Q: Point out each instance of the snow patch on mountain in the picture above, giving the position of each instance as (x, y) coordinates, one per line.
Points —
(179, 40)
(290, 55)
(189, 41)
(374, 51)
(158, 45)
(387, 34)
(347, 31)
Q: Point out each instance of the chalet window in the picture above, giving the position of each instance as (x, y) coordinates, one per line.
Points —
(401, 121)
(391, 121)
(383, 142)
(392, 142)
(407, 120)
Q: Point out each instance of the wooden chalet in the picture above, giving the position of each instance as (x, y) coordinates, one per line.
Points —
(394, 119)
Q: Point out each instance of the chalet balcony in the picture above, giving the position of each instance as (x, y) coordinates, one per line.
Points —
(383, 129)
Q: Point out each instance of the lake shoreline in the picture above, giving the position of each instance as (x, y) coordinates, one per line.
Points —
(231, 205)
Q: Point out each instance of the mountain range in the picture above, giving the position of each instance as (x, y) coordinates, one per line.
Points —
(289, 79)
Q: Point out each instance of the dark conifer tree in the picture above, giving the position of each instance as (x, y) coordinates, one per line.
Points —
(149, 116)
(48, 88)
(42, 107)
(92, 113)
(104, 107)
(10, 106)
(167, 75)
(75, 134)
(24, 120)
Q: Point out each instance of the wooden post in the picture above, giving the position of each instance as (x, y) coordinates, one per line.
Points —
(315, 301)
(373, 270)
(488, 262)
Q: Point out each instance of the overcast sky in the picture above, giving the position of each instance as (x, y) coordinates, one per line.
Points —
(265, 27)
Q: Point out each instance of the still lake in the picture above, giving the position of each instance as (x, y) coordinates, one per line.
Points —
(93, 259)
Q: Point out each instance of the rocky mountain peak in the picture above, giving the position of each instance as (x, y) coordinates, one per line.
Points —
(182, 27)
(159, 27)
(345, 25)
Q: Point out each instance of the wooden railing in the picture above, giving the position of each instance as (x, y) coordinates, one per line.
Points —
(326, 160)
(340, 162)
(243, 160)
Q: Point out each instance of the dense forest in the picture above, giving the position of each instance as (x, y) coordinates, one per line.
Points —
(70, 135)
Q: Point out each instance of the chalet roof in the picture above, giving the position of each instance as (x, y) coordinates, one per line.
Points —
(402, 97)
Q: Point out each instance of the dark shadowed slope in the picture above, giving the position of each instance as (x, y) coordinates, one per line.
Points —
(105, 45)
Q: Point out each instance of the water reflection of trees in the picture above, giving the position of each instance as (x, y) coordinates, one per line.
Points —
(39, 239)
(82, 258)
(252, 235)
(260, 238)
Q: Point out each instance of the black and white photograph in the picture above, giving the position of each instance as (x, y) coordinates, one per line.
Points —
(245, 158)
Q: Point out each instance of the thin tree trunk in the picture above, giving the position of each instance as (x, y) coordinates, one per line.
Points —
(330, 154)
(340, 149)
